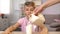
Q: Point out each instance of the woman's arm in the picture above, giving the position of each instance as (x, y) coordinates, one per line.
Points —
(45, 5)
(11, 28)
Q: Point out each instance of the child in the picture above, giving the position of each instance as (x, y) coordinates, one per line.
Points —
(28, 9)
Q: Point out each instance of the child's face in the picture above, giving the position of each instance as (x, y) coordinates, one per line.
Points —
(28, 10)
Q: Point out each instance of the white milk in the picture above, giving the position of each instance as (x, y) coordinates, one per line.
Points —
(29, 29)
(35, 20)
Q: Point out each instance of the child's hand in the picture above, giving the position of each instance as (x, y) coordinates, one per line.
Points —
(6, 32)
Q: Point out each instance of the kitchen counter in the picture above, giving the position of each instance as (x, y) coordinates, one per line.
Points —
(17, 32)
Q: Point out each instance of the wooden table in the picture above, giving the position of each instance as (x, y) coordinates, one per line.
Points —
(17, 32)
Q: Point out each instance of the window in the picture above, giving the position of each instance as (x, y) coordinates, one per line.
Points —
(5, 6)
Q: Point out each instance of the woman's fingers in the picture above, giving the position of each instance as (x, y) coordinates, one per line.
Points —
(38, 10)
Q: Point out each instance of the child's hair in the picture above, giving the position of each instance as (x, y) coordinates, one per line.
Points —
(30, 4)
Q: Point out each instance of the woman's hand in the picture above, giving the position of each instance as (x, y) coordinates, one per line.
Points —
(38, 10)
(48, 3)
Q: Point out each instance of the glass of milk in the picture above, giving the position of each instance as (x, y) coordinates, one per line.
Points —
(29, 29)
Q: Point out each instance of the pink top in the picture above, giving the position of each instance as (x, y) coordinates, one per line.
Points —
(24, 21)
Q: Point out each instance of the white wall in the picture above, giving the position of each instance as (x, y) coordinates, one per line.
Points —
(15, 10)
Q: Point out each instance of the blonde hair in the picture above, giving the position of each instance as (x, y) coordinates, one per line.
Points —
(30, 4)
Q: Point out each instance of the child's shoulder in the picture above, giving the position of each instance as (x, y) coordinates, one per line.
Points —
(23, 18)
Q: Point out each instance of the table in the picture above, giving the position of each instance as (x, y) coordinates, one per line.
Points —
(17, 32)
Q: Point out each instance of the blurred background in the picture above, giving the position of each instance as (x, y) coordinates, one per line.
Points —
(12, 10)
